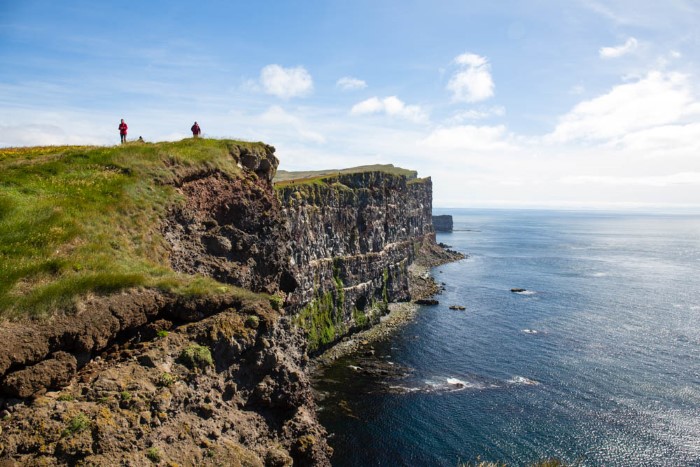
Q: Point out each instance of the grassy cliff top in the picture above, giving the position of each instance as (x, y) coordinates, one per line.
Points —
(76, 220)
(284, 177)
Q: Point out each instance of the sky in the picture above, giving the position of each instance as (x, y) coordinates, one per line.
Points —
(583, 104)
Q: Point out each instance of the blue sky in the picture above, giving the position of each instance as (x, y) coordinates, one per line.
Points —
(577, 104)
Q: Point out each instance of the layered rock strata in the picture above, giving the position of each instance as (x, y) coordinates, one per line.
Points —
(352, 238)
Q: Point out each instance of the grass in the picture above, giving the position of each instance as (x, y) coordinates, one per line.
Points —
(153, 454)
(76, 220)
(283, 177)
(166, 380)
(78, 423)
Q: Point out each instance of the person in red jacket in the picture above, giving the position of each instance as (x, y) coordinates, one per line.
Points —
(122, 131)
(196, 131)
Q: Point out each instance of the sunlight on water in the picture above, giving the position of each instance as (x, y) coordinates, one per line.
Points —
(596, 361)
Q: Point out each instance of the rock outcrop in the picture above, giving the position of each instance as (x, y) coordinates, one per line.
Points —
(232, 229)
(443, 223)
(229, 389)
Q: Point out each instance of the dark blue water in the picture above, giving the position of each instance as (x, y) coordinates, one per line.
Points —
(597, 364)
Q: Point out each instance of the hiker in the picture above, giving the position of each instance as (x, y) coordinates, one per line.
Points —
(122, 131)
(140, 140)
(196, 131)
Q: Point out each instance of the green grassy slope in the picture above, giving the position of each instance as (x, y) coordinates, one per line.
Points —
(77, 220)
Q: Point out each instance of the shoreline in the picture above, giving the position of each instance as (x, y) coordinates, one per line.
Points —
(421, 284)
(400, 314)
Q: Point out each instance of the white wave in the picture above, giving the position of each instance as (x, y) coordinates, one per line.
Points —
(523, 381)
(531, 331)
(451, 384)
(456, 382)
(355, 368)
(600, 274)
(526, 292)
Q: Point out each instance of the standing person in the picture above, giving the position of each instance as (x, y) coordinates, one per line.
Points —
(196, 131)
(122, 131)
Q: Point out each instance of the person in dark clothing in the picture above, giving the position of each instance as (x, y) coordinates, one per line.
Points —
(122, 131)
(196, 131)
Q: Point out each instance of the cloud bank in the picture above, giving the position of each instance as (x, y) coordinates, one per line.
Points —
(658, 99)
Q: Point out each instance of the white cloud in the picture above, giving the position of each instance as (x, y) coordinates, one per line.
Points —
(392, 106)
(348, 83)
(368, 106)
(654, 100)
(472, 82)
(276, 116)
(664, 141)
(469, 138)
(618, 51)
(43, 134)
(286, 82)
(477, 114)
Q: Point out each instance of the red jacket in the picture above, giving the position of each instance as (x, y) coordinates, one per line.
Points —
(123, 128)
(195, 129)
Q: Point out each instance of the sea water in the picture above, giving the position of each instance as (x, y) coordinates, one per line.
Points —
(596, 362)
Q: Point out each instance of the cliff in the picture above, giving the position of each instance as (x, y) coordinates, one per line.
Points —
(167, 306)
(352, 237)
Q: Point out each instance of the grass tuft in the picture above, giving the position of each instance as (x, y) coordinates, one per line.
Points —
(196, 356)
(154, 455)
(78, 423)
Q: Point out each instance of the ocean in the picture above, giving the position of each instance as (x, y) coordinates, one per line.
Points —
(595, 362)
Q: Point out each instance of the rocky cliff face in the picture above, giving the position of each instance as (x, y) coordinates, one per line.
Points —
(351, 240)
(232, 229)
(143, 376)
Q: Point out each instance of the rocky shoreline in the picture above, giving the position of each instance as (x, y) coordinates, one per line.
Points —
(421, 286)
(399, 315)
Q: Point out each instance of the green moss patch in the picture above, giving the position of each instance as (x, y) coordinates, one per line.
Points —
(196, 356)
(320, 320)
